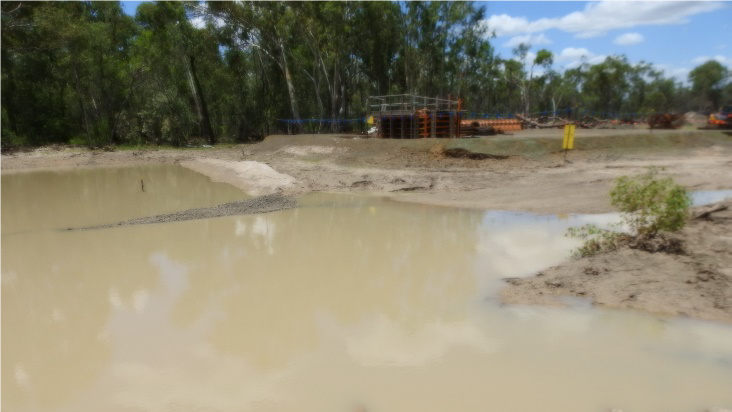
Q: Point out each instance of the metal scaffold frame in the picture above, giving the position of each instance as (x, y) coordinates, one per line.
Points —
(406, 116)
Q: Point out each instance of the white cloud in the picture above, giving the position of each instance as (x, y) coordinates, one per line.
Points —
(528, 60)
(600, 17)
(202, 16)
(574, 55)
(533, 40)
(678, 73)
(703, 59)
(198, 22)
(628, 39)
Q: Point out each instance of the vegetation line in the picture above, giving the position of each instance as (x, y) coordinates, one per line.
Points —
(180, 73)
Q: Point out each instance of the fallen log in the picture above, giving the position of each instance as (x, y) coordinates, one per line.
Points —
(538, 125)
(475, 129)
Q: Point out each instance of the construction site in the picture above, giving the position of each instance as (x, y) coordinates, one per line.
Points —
(406, 116)
(387, 224)
(356, 206)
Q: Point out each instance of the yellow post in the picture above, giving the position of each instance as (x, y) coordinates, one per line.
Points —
(568, 142)
(570, 146)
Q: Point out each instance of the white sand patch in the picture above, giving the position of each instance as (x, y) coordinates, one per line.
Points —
(255, 178)
(310, 150)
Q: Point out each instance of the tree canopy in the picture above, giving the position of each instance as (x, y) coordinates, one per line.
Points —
(175, 73)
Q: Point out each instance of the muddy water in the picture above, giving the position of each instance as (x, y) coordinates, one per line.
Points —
(74, 198)
(347, 303)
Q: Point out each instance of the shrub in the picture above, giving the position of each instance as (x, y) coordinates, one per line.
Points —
(650, 206)
(596, 240)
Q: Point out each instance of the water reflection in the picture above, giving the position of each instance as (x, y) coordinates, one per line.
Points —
(85, 197)
(345, 301)
(55, 308)
(703, 197)
(339, 260)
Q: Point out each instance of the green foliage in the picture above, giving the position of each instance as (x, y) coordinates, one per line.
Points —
(708, 82)
(544, 58)
(650, 204)
(78, 141)
(650, 207)
(596, 240)
(180, 72)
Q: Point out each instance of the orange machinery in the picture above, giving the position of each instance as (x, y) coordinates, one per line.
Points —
(721, 120)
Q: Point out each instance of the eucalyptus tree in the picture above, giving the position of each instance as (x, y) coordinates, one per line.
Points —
(268, 29)
(168, 33)
(708, 84)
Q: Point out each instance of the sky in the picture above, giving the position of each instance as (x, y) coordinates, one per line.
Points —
(675, 36)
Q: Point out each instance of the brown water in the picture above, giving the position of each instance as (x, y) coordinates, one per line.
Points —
(348, 302)
(84, 197)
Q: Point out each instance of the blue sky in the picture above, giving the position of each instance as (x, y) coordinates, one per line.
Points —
(673, 35)
(676, 36)
(130, 7)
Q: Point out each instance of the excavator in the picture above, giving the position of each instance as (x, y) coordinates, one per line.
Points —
(722, 119)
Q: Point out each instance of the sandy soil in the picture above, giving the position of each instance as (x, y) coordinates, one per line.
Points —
(255, 178)
(530, 175)
(697, 283)
(532, 178)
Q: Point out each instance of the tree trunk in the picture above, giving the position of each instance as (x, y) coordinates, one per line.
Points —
(9, 85)
(83, 108)
(334, 92)
(201, 106)
(290, 88)
(204, 105)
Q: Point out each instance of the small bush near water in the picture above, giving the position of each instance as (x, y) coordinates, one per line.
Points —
(652, 207)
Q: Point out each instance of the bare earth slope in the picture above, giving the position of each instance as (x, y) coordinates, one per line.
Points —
(696, 284)
(532, 178)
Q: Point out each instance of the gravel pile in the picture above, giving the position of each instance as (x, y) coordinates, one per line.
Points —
(261, 204)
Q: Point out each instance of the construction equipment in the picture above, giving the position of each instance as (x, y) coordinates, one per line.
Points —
(721, 120)
(665, 121)
(482, 127)
(406, 116)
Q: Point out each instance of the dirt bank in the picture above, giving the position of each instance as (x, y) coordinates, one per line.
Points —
(261, 204)
(697, 283)
(255, 178)
(525, 172)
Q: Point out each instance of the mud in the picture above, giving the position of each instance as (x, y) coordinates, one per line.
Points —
(461, 153)
(696, 283)
(261, 204)
(533, 178)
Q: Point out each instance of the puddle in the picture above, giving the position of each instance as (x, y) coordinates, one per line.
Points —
(704, 197)
(74, 198)
(347, 302)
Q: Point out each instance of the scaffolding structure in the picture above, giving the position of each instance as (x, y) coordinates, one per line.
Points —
(406, 116)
